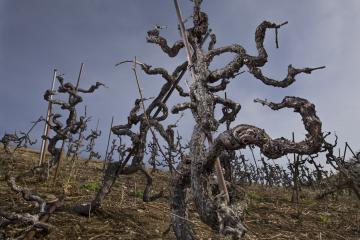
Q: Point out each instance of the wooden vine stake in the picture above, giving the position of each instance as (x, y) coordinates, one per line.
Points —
(108, 143)
(46, 128)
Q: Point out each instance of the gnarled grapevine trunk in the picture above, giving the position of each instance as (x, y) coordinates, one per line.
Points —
(214, 210)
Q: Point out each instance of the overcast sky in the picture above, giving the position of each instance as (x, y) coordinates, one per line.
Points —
(39, 35)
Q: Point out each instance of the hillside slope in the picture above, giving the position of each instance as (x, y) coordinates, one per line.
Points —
(270, 214)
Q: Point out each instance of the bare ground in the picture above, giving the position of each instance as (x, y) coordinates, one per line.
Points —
(270, 214)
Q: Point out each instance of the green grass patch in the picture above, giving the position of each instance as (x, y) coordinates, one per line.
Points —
(324, 218)
(253, 195)
(308, 201)
(91, 186)
(137, 194)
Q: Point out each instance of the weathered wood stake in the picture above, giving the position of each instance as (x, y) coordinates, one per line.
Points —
(46, 127)
(108, 143)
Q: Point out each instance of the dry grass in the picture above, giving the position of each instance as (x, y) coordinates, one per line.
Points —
(124, 216)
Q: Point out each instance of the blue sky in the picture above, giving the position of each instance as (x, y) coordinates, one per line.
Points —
(40, 35)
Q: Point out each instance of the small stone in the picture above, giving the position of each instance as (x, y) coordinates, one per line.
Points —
(51, 198)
